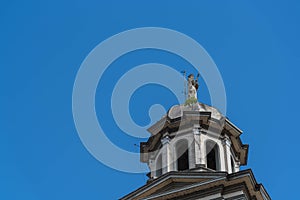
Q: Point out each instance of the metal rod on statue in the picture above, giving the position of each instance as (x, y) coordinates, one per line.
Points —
(184, 84)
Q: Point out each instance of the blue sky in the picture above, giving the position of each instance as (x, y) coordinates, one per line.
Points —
(43, 43)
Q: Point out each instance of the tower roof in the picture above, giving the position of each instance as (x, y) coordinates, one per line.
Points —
(192, 185)
(178, 110)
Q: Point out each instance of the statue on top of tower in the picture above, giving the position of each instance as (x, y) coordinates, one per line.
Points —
(192, 86)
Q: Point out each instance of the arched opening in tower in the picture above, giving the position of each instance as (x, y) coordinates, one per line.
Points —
(158, 166)
(232, 165)
(182, 155)
(212, 157)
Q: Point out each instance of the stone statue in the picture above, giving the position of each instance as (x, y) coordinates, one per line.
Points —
(192, 86)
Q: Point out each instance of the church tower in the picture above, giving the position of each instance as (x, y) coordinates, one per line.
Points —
(194, 152)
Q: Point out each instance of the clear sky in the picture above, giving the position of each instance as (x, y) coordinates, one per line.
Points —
(255, 45)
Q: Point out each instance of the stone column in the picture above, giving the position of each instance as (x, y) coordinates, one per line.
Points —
(197, 146)
(227, 155)
(166, 155)
(202, 149)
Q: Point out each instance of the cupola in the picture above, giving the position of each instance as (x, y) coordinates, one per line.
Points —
(193, 137)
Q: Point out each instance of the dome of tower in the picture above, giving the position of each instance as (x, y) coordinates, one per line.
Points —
(177, 110)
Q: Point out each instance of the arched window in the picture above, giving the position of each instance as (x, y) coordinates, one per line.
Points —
(232, 165)
(182, 155)
(158, 166)
(212, 155)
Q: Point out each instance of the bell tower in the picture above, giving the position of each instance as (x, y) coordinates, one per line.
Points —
(193, 138)
(194, 152)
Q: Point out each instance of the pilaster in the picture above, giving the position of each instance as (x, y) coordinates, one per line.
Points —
(226, 145)
(166, 155)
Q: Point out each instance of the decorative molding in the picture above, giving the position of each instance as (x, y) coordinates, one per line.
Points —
(196, 131)
(226, 141)
(165, 140)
